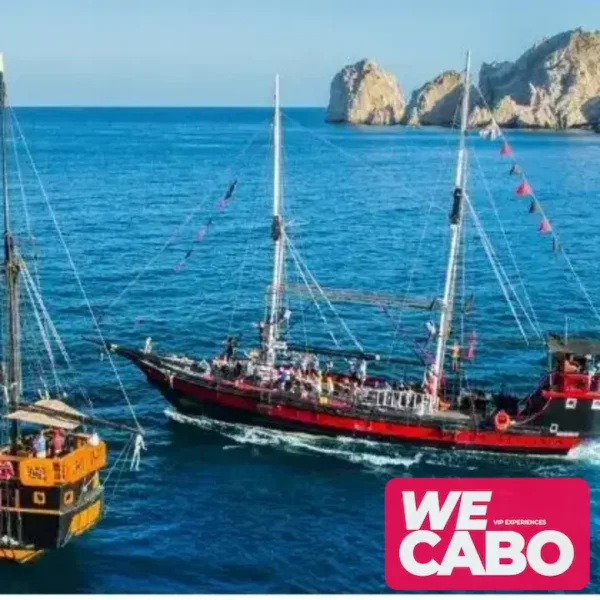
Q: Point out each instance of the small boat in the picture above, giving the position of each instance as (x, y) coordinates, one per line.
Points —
(51, 454)
(279, 385)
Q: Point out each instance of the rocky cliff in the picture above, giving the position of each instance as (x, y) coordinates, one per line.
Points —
(436, 102)
(367, 94)
(555, 84)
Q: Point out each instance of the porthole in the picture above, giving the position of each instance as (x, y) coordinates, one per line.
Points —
(69, 497)
(39, 498)
(553, 428)
(570, 403)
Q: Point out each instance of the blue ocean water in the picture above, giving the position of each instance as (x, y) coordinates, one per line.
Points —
(223, 508)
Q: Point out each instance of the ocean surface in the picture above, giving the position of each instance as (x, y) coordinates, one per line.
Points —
(224, 508)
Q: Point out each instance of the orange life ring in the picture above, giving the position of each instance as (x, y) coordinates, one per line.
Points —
(501, 420)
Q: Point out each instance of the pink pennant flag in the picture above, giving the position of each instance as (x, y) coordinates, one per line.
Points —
(545, 226)
(505, 150)
(524, 189)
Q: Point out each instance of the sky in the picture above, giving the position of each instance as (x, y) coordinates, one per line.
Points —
(226, 52)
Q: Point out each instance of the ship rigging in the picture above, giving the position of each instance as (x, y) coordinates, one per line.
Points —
(283, 385)
(51, 453)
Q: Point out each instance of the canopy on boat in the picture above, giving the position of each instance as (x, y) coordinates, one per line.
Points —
(29, 414)
(579, 346)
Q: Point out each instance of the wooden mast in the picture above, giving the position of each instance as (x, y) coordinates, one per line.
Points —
(456, 218)
(11, 275)
(272, 329)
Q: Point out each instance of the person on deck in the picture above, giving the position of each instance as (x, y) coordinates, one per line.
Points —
(329, 385)
(455, 355)
(39, 445)
(58, 442)
(569, 365)
(362, 371)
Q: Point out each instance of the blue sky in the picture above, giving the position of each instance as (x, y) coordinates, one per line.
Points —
(225, 52)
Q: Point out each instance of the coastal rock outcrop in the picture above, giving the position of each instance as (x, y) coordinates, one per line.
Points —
(436, 102)
(364, 93)
(555, 84)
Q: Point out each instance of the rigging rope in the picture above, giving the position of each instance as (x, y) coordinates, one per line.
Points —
(535, 325)
(177, 232)
(74, 269)
(541, 209)
(308, 287)
(490, 254)
(320, 289)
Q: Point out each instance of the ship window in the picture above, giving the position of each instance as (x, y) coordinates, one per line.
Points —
(553, 428)
(39, 498)
(595, 404)
(69, 497)
(570, 402)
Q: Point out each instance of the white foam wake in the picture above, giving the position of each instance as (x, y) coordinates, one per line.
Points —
(365, 452)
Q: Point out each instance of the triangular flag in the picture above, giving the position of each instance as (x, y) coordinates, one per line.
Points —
(515, 170)
(545, 226)
(533, 207)
(505, 150)
(524, 189)
(555, 245)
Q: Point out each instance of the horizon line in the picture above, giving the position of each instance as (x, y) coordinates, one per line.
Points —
(177, 106)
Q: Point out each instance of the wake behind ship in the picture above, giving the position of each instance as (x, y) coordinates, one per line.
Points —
(303, 387)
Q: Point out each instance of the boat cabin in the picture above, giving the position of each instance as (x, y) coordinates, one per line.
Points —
(50, 488)
(574, 366)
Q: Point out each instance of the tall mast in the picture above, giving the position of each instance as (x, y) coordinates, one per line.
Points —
(11, 274)
(456, 217)
(272, 329)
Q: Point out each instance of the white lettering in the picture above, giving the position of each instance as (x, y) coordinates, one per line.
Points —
(430, 505)
(469, 509)
(494, 553)
(407, 553)
(461, 553)
(534, 553)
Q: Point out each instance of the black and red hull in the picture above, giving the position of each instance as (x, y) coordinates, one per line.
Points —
(226, 401)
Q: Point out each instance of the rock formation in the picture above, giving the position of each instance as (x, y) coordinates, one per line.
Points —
(436, 102)
(555, 84)
(365, 93)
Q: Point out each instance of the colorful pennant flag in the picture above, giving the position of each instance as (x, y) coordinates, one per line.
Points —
(505, 150)
(201, 233)
(545, 226)
(515, 170)
(524, 189)
(555, 245)
(533, 207)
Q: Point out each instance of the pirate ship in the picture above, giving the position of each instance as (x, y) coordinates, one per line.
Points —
(51, 454)
(281, 385)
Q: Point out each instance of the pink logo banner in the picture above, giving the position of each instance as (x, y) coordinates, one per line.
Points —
(487, 534)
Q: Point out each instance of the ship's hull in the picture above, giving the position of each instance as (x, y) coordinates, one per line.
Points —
(194, 396)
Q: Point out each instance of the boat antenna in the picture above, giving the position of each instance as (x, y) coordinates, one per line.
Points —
(272, 329)
(11, 274)
(456, 219)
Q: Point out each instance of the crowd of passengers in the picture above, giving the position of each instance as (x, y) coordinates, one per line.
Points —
(52, 443)
(303, 375)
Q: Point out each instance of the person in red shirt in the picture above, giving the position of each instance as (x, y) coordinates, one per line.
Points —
(58, 442)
